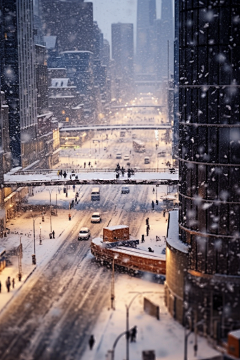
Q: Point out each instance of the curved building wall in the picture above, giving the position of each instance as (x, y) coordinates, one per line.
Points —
(209, 152)
(176, 266)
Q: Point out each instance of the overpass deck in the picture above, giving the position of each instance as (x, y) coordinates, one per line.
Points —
(89, 177)
(117, 127)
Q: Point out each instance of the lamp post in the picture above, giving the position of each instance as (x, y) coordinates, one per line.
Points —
(40, 235)
(50, 193)
(127, 319)
(34, 239)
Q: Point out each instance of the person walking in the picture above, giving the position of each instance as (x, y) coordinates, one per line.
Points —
(147, 221)
(147, 230)
(152, 205)
(153, 190)
(91, 342)
(133, 334)
(13, 283)
(8, 283)
(53, 234)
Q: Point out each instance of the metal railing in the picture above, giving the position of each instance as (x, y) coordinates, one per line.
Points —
(92, 169)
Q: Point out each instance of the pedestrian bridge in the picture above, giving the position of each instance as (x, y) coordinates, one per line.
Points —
(137, 106)
(21, 178)
(117, 127)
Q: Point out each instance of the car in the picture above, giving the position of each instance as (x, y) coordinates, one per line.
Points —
(119, 156)
(84, 234)
(125, 190)
(126, 157)
(96, 218)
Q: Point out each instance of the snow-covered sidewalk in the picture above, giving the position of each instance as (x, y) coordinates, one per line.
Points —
(21, 231)
(164, 336)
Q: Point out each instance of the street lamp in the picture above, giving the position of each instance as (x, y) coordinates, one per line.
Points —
(111, 353)
(50, 193)
(34, 239)
(127, 318)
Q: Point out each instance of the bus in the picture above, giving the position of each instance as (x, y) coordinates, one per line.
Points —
(138, 146)
(95, 194)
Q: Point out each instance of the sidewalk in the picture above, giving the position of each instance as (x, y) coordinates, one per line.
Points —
(164, 336)
(21, 230)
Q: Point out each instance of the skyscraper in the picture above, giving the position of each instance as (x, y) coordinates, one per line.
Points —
(209, 165)
(18, 79)
(71, 21)
(146, 15)
(122, 54)
(165, 41)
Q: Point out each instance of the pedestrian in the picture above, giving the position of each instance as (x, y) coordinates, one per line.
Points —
(152, 205)
(153, 190)
(13, 283)
(8, 283)
(89, 164)
(147, 230)
(53, 234)
(91, 342)
(147, 221)
(0, 287)
(69, 217)
(84, 165)
(133, 334)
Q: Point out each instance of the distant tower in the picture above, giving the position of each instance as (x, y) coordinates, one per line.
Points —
(146, 15)
(122, 54)
(166, 40)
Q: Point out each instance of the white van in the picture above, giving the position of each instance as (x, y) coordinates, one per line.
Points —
(146, 160)
(95, 194)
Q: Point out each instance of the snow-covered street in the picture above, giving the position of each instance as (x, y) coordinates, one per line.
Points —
(67, 297)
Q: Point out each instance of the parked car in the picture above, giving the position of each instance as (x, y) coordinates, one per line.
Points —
(125, 190)
(96, 218)
(119, 156)
(84, 234)
(126, 157)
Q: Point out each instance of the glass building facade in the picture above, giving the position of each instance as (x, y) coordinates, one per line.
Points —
(203, 281)
(209, 158)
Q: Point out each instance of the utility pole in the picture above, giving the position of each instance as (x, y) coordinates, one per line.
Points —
(113, 288)
(20, 260)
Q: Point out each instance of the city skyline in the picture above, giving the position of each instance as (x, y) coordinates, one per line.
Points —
(106, 12)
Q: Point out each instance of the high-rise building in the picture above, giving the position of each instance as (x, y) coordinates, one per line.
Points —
(71, 21)
(176, 83)
(209, 166)
(165, 41)
(122, 54)
(18, 77)
(146, 15)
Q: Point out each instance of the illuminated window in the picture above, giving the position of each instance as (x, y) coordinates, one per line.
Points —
(67, 119)
(63, 112)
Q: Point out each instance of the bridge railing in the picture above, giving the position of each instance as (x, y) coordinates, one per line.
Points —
(78, 170)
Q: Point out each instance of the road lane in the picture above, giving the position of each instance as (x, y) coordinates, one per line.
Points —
(52, 316)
